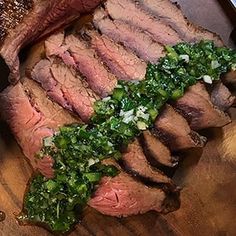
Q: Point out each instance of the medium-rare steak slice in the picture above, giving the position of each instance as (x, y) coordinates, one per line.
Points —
(65, 87)
(173, 16)
(121, 62)
(221, 97)
(123, 196)
(135, 161)
(158, 152)
(131, 37)
(197, 108)
(42, 18)
(99, 79)
(33, 117)
(175, 132)
(129, 12)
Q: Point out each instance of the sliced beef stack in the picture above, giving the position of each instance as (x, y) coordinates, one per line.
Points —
(72, 71)
(33, 117)
(23, 21)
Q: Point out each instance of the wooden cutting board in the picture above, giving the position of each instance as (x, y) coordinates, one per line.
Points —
(208, 176)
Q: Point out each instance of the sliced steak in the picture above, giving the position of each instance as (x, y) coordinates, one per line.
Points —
(230, 78)
(121, 62)
(198, 109)
(123, 196)
(38, 118)
(221, 97)
(175, 132)
(65, 87)
(131, 37)
(55, 47)
(99, 79)
(135, 161)
(173, 16)
(159, 153)
(33, 20)
(11, 14)
(128, 11)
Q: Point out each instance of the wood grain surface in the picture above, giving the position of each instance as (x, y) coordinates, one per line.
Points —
(208, 178)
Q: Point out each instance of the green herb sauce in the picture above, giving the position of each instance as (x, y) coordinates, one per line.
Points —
(133, 107)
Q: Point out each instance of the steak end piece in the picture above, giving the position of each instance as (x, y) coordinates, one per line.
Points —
(124, 196)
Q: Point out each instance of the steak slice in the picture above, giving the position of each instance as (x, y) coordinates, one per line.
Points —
(221, 97)
(174, 131)
(54, 47)
(230, 78)
(128, 11)
(99, 79)
(135, 161)
(123, 196)
(38, 118)
(65, 87)
(173, 16)
(159, 153)
(136, 40)
(121, 62)
(198, 109)
(35, 22)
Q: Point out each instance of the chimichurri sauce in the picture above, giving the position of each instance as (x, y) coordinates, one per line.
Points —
(118, 119)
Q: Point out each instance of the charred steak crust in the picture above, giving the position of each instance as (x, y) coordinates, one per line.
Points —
(12, 14)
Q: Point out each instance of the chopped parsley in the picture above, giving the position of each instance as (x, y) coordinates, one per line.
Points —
(133, 107)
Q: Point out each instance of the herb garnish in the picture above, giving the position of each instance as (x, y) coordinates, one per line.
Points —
(133, 107)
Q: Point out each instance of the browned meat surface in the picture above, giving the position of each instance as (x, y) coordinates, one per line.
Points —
(135, 161)
(159, 153)
(221, 97)
(65, 87)
(230, 78)
(197, 108)
(99, 79)
(121, 62)
(33, 117)
(11, 14)
(35, 24)
(123, 196)
(131, 37)
(129, 12)
(175, 132)
(172, 15)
